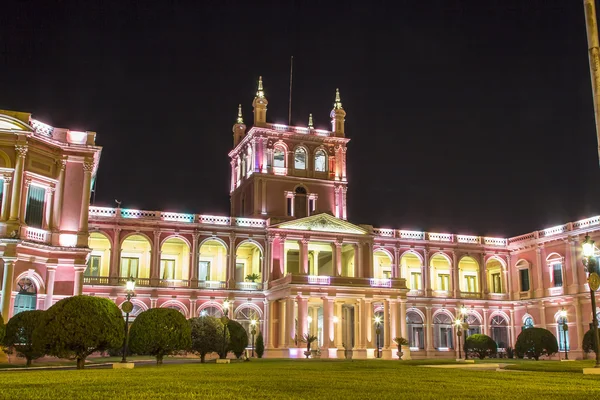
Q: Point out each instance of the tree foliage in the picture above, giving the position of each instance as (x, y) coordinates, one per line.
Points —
(160, 332)
(207, 335)
(588, 341)
(2, 328)
(78, 326)
(536, 342)
(481, 346)
(19, 335)
(259, 347)
(238, 338)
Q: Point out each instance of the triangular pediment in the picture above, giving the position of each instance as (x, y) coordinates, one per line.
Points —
(322, 223)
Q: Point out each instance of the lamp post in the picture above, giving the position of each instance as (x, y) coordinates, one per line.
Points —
(565, 328)
(458, 324)
(225, 321)
(127, 307)
(464, 326)
(377, 332)
(591, 266)
(253, 332)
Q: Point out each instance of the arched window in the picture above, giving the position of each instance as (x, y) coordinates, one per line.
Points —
(563, 334)
(244, 316)
(442, 331)
(279, 157)
(300, 158)
(474, 325)
(500, 331)
(414, 324)
(320, 161)
(300, 209)
(211, 311)
(528, 323)
(26, 299)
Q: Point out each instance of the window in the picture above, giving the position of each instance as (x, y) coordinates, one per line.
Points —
(278, 158)
(444, 282)
(414, 324)
(26, 299)
(34, 211)
(311, 206)
(474, 325)
(211, 311)
(528, 323)
(524, 275)
(167, 269)
(289, 209)
(204, 271)
(93, 267)
(496, 283)
(415, 280)
(500, 331)
(470, 284)
(320, 161)
(442, 331)
(300, 158)
(1, 192)
(129, 267)
(300, 208)
(557, 274)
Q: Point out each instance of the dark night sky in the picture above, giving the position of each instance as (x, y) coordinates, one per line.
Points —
(471, 117)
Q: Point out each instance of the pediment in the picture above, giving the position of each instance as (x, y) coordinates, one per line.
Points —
(322, 223)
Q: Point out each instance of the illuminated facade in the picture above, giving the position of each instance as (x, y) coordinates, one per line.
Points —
(287, 256)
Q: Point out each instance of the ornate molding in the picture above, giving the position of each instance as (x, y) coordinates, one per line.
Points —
(21, 150)
(88, 166)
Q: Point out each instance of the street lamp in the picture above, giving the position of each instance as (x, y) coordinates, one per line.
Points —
(463, 313)
(458, 324)
(253, 332)
(565, 328)
(591, 266)
(225, 321)
(377, 332)
(127, 307)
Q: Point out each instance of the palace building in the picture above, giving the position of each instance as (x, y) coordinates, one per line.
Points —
(286, 256)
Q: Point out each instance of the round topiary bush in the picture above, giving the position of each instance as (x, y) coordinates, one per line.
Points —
(536, 342)
(481, 346)
(238, 338)
(588, 344)
(19, 335)
(207, 335)
(160, 332)
(78, 326)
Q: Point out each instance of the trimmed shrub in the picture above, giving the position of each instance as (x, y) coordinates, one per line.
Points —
(238, 338)
(481, 346)
(207, 335)
(78, 326)
(19, 335)
(259, 346)
(536, 342)
(588, 341)
(159, 332)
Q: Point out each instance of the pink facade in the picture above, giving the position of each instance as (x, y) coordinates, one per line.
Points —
(287, 256)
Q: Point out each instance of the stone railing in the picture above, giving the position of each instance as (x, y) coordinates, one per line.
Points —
(470, 295)
(35, 234)
(298, 279)
(248, 285)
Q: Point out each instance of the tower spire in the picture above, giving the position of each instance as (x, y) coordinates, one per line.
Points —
(240, 120)
(310, 122)
(260, 105)
(338, 116)
(260, 93)
(338, 102)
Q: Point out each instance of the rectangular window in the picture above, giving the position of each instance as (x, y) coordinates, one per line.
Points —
(415, 280)
(129, 267)
(204, 271)
(444, 282)
(167, 269)
(93, 267)
(311, 205)
(524, 274)
(34, 210)
(496, 283)
(1, 192)
(289, 207)
(470, 284)
(557, 274)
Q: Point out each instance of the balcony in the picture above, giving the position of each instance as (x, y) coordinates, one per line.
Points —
(248, 285)
(113, 281)
(498, 296)
(313, 280)
(470, 295)
(35, 234)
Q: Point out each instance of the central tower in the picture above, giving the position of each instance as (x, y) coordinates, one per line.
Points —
(285, 171)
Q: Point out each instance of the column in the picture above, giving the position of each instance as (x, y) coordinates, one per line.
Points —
(364, 324)
(49, 220)
(88, 167)
(268, 258)
(115, 264)
(265, 328)
(485, 322)
(153, 301)
(314, 312)
(50, 275)
(59, 193)
(396, 273)
(7, 283)
(302, 314)
(15, 210)
(387, 326)
(426, 273)
(429, 328)
(368, 268)
(315, 267)
(289, 331)
(358, 261)
(271, 321)
(231, 262)
(483, 278)
(337, 326)
(572, 246)
(193, 274)
(539, 284)
(543, 315)
(403, 332)
(507, 274)
(369, 327)
(454, 272)
(78, 279)
(512, 337)
(6, 199)
(580, 329)
(338, 256)
(155, 259)
(327, 324)
(303, 244)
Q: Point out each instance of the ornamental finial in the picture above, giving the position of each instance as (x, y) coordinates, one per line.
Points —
(338, 103)
(310, 122)
(260, 93)
(240, 120)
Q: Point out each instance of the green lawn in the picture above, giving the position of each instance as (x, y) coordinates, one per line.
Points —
(297, 379)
